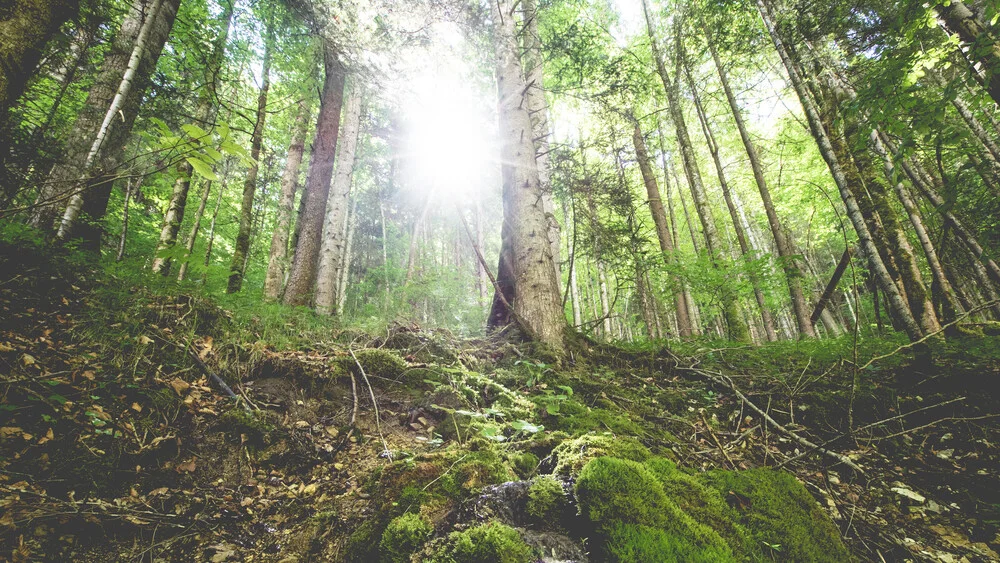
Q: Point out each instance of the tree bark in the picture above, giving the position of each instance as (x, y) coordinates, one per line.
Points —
(787, 257)
(963, 22)
(737, 328)
(538, 109)
(278, 258)
(345, 271)
(526, 252)
(25, 26)
(302, 276)
(242, 246)
(206, 109)
(877, 266)
(124, 233)
(333, 247)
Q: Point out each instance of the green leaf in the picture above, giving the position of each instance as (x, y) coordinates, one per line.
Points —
(525, 426)
(194, 131)
(201, 168)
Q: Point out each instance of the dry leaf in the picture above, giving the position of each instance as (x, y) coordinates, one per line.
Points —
(145, 339)
(28, 360)
(179, 385)
(136, 407)
(186, 467)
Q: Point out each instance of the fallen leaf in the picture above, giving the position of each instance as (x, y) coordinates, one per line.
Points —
(145, 339)
(136, 407)
(179, 385)
(186, 467)
(9, 431)
(28, 360)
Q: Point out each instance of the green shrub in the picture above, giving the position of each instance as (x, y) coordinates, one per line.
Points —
(545, 498)
(403, 536)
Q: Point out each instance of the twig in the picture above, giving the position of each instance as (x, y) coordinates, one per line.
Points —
(717, 442)
(732, 387)
(354, 392)
(378, 421)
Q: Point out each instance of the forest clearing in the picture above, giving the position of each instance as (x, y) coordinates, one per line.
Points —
(452, 281)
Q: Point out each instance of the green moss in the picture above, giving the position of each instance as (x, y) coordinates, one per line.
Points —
(379, 363)
(477, 470)
(705, 505)
(489, 543)
(546, 498)
(254, 424)
(571, 455)
(610, 489)
(363, 545)
(778, 511)
(403, 536)
(630, 509)
(523, 463)
(635, 543)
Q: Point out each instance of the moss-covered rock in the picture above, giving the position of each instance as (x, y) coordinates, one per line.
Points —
(490, 543)
(546, 498)
(404, 536)
(635, 519)
(253, 424)
(571, 455)
(523, 463)
(779, 512)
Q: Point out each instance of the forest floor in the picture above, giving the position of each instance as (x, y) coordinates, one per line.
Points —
(117, 445)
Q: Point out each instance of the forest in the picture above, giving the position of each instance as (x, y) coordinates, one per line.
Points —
(511, 281)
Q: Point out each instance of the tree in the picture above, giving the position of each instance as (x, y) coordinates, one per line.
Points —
(526, 273)
(242, 247)
(278, 256)
(302, 276)
(333, 249)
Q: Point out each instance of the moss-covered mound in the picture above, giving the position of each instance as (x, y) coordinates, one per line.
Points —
(652, 511)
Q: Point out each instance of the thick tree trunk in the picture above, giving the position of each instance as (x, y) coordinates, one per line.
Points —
(663, 233)
(302, 276)
(525, 248)
(741, 236)
(275, 277)
(865, 241)
(333, 247)
(206, 109)
(25, 27)
(85, 178)
(242, 246)
(963, 22)
(737, 328)
(538, 110)
(789, 261)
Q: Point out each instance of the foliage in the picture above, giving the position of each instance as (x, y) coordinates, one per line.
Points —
(489, 543)
(404, 536)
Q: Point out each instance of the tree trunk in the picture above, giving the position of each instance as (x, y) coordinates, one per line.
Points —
(787, 257)
(302, 276)
(206, 109)
(352, 225)
(692, 326)
(865, 241)
(663, 233)
(105, 123)
(278, 257)
(574, 288)
(211, 232)
(25, 26)
(242, 246)
(124, 233)
(333, 247)
(962, 21)
(737, 328)
(525, 247)
(539, 112)
(741, 236)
